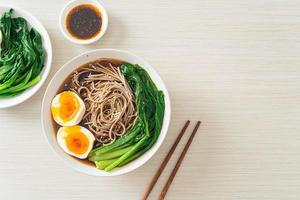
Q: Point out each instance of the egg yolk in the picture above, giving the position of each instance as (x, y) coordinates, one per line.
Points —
(68, 106)
(76, 141)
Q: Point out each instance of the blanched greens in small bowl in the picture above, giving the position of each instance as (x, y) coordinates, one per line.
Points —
(22, 55)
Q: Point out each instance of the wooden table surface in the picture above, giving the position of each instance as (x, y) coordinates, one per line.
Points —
(234, 65)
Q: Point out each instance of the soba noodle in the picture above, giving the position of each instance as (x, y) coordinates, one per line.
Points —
(110, 108)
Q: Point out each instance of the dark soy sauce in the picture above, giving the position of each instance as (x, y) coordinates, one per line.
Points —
(84, 21)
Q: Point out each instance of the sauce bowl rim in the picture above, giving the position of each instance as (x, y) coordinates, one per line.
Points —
(69, 6)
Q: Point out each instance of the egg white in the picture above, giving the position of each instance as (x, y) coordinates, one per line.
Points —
(62, 134)
(76, 119)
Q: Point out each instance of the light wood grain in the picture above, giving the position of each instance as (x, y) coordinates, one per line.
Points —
(232, 64)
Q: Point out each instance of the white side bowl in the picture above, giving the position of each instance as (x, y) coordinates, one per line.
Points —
(58, 79)
(32, 22)
(74, 3)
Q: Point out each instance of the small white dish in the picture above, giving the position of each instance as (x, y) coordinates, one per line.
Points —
(56, 82)
(32, 22)
(69, 7)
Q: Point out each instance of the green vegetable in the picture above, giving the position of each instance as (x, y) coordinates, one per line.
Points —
(142, 136)
(22, 55)
(119, 142)
(110, 155)
(104, 163)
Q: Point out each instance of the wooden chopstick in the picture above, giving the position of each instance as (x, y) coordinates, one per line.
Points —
(179, 161)
(165, 161)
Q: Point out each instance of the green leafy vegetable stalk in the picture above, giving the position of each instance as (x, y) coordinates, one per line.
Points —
(21, 57)
(142, 136)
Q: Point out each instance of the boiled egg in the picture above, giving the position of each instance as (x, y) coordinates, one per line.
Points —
(75, 140)
(67, 108)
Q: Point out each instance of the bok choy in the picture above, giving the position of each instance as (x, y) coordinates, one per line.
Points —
(21, 57)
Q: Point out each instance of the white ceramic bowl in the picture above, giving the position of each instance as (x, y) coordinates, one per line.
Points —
(60, 76)
(74, 3)
(32, 22)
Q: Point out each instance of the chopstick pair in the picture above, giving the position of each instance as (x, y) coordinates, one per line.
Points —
(166, 160)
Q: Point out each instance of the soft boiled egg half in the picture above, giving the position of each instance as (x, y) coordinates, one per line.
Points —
(75, 140)
(67, 108)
